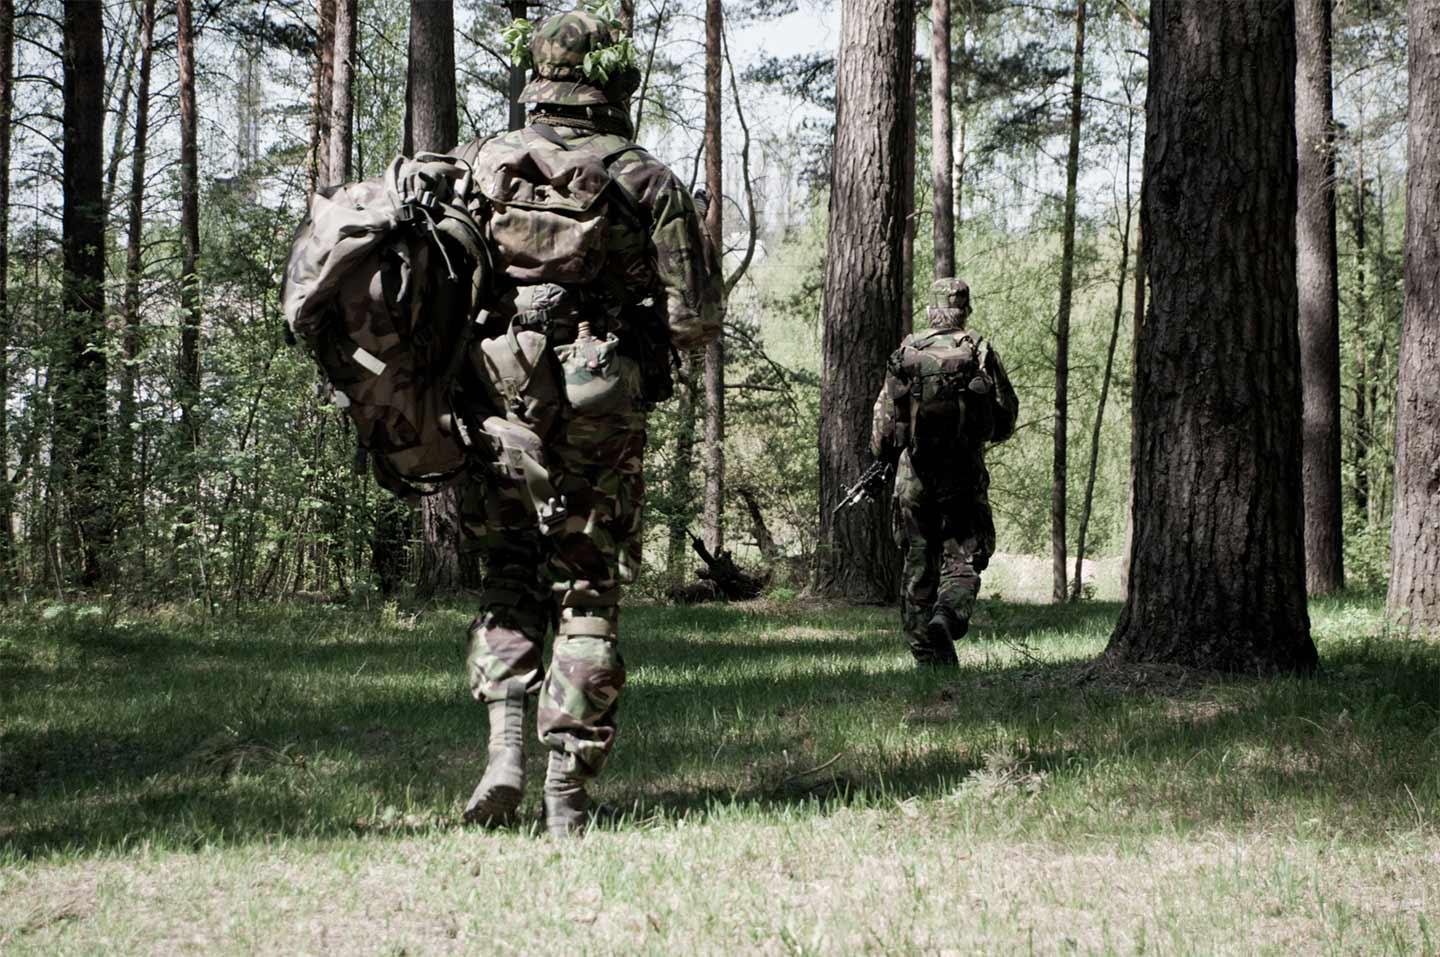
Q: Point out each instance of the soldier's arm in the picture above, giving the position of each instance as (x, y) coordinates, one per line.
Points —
(692, 288)
(1005, 403)
(890, 418)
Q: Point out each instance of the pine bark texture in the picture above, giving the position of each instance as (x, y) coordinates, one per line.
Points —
(1218, 572)
(942, 138)
(1060, 465)
(80, 405)
(1415, 526)
(431, 121)
(1319, 297)
(715, 225)
(324, 83)
(130, 342)
(342, 93)
(7, 106)
(189, 364)
(431, 124)
(864, 287)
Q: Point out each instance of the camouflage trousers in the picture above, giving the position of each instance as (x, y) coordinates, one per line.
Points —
(945, 544)
(568, 578)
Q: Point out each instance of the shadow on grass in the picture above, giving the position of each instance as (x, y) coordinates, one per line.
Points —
(287, 722)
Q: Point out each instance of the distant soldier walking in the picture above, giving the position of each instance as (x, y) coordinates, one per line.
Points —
(945, 396)
(604, 269)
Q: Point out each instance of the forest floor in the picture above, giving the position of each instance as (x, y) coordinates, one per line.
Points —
(288, 780)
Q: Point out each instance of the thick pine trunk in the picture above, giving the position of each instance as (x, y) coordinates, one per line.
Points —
(864, 287)
(1218, 575)
(907, 244)
(1059, 473)
(188, 365)
(134, 261)
(431, 124)
(7, 106)
(714, 224)
(320, 111)
(1319, 297)
(81, 403)
(342, 93)
(1415, 525)
(942, 156)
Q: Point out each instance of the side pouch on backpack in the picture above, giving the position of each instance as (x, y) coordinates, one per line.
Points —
(518, 370)
(598, 379)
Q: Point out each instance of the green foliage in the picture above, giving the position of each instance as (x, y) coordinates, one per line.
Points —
(516, 38)
(600, 64)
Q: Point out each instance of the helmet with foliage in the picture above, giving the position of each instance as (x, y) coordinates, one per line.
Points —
(579, 58)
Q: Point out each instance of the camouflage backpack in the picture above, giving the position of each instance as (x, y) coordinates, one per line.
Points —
(550, 205)
(949, 392)
(384, 280)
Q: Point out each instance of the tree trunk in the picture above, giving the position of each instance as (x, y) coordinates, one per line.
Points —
(125, 76)
(864, 287)
(431, 121)
(320, 110)
(1137, 324)
(81, 406)
(942, 157)
(907, 242)
(7, 106)
(1319, 297)
(1060, 465)
(188, 366)
(1078, 585)
(431, 124)
(681, 481)
(342, 93)
(134, 261)
(714, 224)
(1360, 434)
(1218, 579)
(1415, 524)
(517, 74)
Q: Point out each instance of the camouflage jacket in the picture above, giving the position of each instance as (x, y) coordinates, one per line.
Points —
(963, 462)
(667, 259)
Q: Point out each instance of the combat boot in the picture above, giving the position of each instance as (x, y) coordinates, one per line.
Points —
(944, 629)
(497, 796)
(568, 807)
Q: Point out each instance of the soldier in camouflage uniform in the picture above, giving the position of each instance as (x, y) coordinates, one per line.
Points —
(945, 396)
(577, 350)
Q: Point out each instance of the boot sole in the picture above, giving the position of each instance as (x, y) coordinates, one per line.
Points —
(496, 807)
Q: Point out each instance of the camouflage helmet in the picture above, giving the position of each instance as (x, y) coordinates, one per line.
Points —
(949, 302)
(558, 50)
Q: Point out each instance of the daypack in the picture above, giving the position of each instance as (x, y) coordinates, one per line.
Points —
(949, 390)
(550, 207)
(383, 284)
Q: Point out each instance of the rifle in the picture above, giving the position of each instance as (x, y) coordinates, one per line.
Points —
(871, 482)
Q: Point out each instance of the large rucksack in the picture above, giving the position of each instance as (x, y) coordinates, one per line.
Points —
(950, 393)
(550, 206)
(383, 284)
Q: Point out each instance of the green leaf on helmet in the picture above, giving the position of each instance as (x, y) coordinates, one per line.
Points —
(517, 38)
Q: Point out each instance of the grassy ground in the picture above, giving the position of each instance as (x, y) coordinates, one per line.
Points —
(288, 780)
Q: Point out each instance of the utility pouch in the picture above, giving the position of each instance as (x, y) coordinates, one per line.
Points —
(517, 371)
(599, 380)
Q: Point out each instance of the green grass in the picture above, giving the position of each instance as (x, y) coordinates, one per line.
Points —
(288, 779)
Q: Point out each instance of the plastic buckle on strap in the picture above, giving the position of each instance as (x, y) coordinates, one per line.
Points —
(552, 514)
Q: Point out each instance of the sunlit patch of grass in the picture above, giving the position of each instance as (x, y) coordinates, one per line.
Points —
(277, 777)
